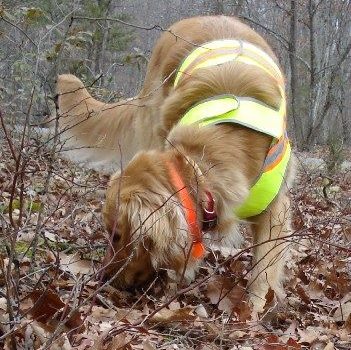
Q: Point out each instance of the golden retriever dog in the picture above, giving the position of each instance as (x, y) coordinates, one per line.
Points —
(193, 154)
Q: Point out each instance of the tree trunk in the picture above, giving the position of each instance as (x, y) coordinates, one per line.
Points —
(313, 80)
(298, 126)
(100, 46)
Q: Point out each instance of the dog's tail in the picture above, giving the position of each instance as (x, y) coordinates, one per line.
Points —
(93, 132)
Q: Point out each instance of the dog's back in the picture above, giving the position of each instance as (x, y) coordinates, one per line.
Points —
(184, 36)
(144, 121)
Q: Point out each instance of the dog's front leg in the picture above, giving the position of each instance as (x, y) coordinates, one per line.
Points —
(270, 251)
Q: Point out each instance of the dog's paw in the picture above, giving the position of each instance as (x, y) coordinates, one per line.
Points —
(184, 277)
(258, 303)
(263, 304)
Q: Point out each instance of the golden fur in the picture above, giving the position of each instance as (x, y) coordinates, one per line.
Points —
(142, 212)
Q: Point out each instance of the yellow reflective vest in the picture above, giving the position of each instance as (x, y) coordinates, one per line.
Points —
(245, 111)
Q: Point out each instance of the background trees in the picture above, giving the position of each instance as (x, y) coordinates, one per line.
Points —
(311, 37)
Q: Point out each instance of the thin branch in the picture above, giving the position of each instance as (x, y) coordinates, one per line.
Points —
(153, 27)
(277, 36)
(19, 29)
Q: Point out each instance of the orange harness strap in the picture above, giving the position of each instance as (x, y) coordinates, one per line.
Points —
(189, 207)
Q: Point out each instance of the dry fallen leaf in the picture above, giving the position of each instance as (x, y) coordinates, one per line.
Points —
(201, 311)
(148, 346)
(50, 310)
(74, 264)
(309, 335)
(329, 346)
(165, 316)
(342, 312)
(237, 334)
(229, 296)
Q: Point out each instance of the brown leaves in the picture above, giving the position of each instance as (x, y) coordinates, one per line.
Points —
(273, 343)
(50, 310)
(165, 316)
(62, 293)
(74, 264)
(229, 297)
(343, 312)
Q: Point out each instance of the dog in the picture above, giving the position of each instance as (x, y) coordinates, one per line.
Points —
(201, 149)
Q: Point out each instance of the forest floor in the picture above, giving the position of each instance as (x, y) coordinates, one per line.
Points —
(53, 239)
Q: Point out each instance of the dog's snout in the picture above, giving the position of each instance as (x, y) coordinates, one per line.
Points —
(104, 278)
(137, 278)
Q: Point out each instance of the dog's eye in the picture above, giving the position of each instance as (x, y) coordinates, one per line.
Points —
(138, 275)
(116, 237)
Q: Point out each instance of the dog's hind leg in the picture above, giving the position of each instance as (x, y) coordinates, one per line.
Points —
(270, 251)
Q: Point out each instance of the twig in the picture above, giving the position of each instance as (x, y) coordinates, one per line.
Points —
(19, 29)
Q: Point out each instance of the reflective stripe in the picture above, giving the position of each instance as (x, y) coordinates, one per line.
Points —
(275, 154)
(222, 55)
(245, 49)
(276, 149)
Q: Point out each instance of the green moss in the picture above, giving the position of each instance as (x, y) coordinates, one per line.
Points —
(28, 206)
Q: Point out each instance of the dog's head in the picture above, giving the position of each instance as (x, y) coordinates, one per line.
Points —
(146, 222)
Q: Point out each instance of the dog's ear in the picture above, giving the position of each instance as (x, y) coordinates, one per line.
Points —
(159, 223)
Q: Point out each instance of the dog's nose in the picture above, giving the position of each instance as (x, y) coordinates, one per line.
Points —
(138, 278)
(132, 279)
(104, 278)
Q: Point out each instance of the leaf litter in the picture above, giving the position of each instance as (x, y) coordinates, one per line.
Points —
(54, 299)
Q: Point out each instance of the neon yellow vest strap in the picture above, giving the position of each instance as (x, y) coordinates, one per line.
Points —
(241, 110)
(267, 186)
